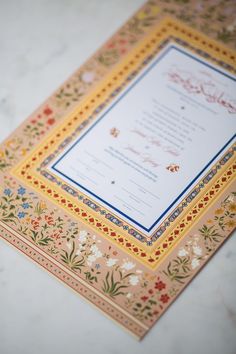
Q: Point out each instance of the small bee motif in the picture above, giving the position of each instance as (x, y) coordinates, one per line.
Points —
(115, 132)
(173, 168)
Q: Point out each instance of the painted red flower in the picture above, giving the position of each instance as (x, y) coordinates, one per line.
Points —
(56, 236)
(35, 224)
(49, 220)
(164, 298)
(51, 121)
(144, 298)
(111, 45)
(47, 111)
(160, 285)
(151, 291)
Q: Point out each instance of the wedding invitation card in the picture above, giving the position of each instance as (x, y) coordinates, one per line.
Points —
(122, 184)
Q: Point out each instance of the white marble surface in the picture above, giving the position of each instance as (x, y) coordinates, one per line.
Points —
(41, 43)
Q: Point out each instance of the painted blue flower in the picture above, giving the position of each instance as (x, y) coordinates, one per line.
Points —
(25, 205)
(21, 215)
(7, 192)
(21, 191)
(97, 266)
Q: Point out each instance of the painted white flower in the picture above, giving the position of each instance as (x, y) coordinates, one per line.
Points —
(99, 254)
(128, 265)
(231, 27)
(111, 262)
(195, 263)
(94, 248)
(69, 246)
(88, 76)
(139, 271)
(230, 199)
(91, 258)
(133, 279)
(83, 236)
(129, 295)
(81, 247)
(197, 250)
(96, 251)
(182, 252)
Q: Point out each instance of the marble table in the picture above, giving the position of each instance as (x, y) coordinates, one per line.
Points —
(41, 44)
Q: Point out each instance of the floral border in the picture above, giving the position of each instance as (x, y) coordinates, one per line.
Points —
(119, 232)
(115, 277)
(20, 206)
(42, 168)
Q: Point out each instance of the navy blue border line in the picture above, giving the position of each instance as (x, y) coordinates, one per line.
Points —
(111, 107)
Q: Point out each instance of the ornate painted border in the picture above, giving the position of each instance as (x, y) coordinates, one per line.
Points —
(22, 210)
(80, 205)
(140, 308)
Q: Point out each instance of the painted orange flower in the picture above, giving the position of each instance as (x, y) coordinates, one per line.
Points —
(173, 167)
(115, 132)
(35, 224)
(219, 211)
(210, 221)
(232, 207)
(23, 152)
(49, 220)
(10, 143)
(231, 224)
